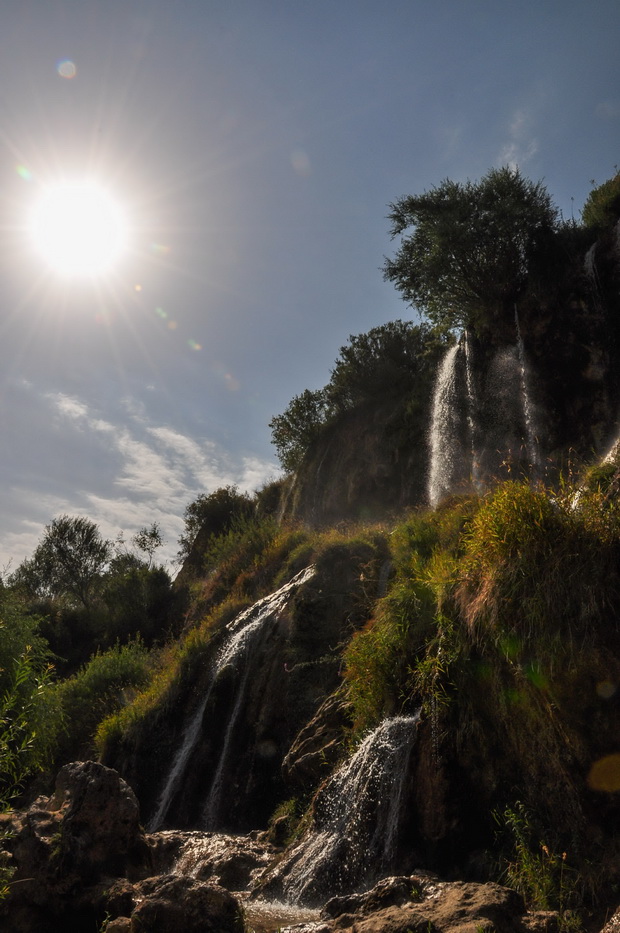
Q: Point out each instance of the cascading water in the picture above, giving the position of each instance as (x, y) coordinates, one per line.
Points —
(358, 816)
(242, 635)
(528, 418)
(442, 432)
(472, 408)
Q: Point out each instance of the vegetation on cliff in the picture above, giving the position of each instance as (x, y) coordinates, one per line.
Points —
(497, 615)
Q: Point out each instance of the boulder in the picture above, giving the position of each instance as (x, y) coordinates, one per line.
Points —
(173, 903)
(65, 848)
(229, 861)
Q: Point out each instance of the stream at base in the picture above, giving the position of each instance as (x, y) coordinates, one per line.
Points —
(272, 916)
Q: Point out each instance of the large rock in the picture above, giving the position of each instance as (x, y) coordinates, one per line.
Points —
(63, 849)
(229, 861)
(174, 903)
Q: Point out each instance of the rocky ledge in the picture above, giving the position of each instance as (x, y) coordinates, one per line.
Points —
(82, 862)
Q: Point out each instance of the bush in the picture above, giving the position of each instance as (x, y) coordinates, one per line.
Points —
(602, 207)
(105, 684)
(212, 515)
(30, 716)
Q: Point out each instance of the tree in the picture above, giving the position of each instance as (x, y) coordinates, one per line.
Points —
(30, 716)
(393, 360)
(602, 207)
(213, 514)
(147, 540)
(389, 360)
(293, 431)
(467, 250)
(67, 563)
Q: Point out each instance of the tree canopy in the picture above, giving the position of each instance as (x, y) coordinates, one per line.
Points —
(389, 361)
(68, 561)
(466, 249)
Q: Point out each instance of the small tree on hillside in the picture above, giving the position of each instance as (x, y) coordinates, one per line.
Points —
(467, 250)
(390, 360)
(215, 513)
(293, 431)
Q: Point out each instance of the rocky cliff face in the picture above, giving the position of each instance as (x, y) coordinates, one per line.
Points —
(261, 680)
(376, 460)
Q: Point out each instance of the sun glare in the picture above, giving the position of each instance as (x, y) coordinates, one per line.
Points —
(78, 229)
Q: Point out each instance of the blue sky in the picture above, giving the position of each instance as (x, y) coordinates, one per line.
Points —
(255, 146)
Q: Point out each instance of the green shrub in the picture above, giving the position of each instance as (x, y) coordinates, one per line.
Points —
(105, 684)
(602, 207)
(30, 716)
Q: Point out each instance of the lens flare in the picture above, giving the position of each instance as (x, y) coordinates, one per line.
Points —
(66, 69)
(605, 774)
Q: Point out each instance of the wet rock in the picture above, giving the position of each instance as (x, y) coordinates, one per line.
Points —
(65, 849)
(393, 891)
(230, 861)
(421, 903)
(173, 903)
(318, 746)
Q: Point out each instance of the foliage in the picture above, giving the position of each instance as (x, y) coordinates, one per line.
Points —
(389, 662)
(148, 540)
(540, 875)
(293, 431)
(68, 562)
(213, 515)
(105, 684)
(390, 360)
(602, 207)
(394, 360)
(29, 713)
(472, 246)
(539, 571)
(137, 598)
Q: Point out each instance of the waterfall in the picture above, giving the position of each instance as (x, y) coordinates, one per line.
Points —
(358, 815)
(530, 434)
(472, 409)
(442, 432)
(241, 637)
(589, 267)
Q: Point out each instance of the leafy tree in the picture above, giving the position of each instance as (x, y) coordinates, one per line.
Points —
(67, 563)
(467, 250)
(389, 360)
(213, 514)
(137, 598)
(147, 540)
(293, 431)
(602, 207)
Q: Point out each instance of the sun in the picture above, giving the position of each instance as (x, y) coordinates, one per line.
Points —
(78, 229)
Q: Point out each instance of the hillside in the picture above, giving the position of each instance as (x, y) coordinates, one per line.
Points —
(400, 662)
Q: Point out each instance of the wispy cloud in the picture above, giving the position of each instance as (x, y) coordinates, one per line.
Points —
(124, 473)
(521, 144)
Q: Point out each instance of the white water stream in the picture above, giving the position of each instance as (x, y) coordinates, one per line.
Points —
(241, 635)
(357, 818)
(442, 429)
(531, 441)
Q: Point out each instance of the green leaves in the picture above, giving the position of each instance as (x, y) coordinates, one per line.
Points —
(394, 360)
(68, 562)
(472, 245)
